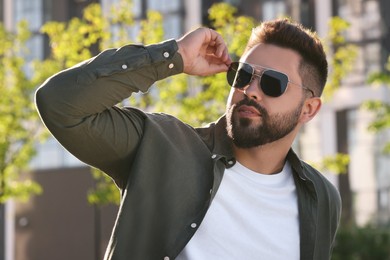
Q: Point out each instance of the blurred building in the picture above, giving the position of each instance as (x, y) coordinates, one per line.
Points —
(368, 174)
(60, 224)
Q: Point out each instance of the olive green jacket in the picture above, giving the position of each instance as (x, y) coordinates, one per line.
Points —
(168, 172)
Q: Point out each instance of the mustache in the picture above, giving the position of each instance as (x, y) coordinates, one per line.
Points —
(250, 102)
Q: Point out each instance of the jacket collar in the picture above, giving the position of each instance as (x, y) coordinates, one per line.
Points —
(296, 164)
(221, 145)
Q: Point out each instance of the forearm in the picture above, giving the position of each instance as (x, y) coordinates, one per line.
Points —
(105, 80)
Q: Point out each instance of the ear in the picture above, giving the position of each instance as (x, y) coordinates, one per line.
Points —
(310, 109)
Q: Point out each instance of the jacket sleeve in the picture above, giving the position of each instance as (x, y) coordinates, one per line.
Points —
(78, 105)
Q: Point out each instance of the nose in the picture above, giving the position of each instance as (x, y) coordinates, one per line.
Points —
(253, 91)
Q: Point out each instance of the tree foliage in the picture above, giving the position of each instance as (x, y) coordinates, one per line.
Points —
(380, 109)
(361, 243)
(343, 55)
(19, 128)
(337, 163)
(383, 77)
(105, 191)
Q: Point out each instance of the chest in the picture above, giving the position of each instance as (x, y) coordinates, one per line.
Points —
(247, 218)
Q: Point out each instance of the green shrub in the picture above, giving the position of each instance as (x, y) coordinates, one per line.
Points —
(362, 243)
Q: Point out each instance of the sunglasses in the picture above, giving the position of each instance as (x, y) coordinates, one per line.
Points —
(273, 83)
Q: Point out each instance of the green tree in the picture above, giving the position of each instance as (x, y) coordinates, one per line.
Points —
(342, 58)
(343, 55)
(361, 243)
(19, 128)
(380, 109)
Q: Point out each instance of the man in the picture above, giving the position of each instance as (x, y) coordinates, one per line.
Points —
(231, 190)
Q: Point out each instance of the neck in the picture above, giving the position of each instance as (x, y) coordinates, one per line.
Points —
(264, 159)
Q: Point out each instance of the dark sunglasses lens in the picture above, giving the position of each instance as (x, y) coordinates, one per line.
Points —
(239, 75)
(231, 73)
(273, 83)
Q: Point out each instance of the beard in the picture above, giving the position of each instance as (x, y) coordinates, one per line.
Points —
(247, 134)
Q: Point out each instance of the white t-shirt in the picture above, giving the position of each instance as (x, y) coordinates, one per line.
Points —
(253, 216)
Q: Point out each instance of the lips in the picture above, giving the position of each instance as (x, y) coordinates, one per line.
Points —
(248, 111)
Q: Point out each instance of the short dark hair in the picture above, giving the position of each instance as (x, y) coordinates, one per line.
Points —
(313, 67)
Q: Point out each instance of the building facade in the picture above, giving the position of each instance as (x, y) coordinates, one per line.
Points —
(368, 173)
(60, 224)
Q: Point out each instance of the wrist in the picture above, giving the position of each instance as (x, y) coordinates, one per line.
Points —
(182, 53)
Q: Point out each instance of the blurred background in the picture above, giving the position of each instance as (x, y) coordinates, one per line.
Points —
(53, 206)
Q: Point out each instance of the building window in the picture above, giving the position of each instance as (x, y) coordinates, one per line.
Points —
(172, 13)
(307, 13)
(301, 11)
(52, 155)
(171, 10)
(368, 169)
(273, 9)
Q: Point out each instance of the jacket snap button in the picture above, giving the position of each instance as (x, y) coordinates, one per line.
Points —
(193, 225)
(166, 258)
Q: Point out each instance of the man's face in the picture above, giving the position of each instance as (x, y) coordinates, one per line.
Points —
(255, 119)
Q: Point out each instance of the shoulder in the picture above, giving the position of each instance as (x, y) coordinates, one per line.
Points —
(313, 181)
(322, 186)
(327, 194)
(154, 117)
(319, 180)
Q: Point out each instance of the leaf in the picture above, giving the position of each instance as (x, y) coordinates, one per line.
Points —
(337, 163)
(20, 127)
(105, 191)
(343, 57)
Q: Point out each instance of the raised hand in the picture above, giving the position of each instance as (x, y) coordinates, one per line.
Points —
(204, 52)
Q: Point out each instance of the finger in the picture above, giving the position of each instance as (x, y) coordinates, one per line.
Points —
(217, 64)
(226, 57)
(211, 50)
(221, 49)
(217, 68)
(220, 46)
(217, 50)
(212, 43)
(215, 36)
(221, 53)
